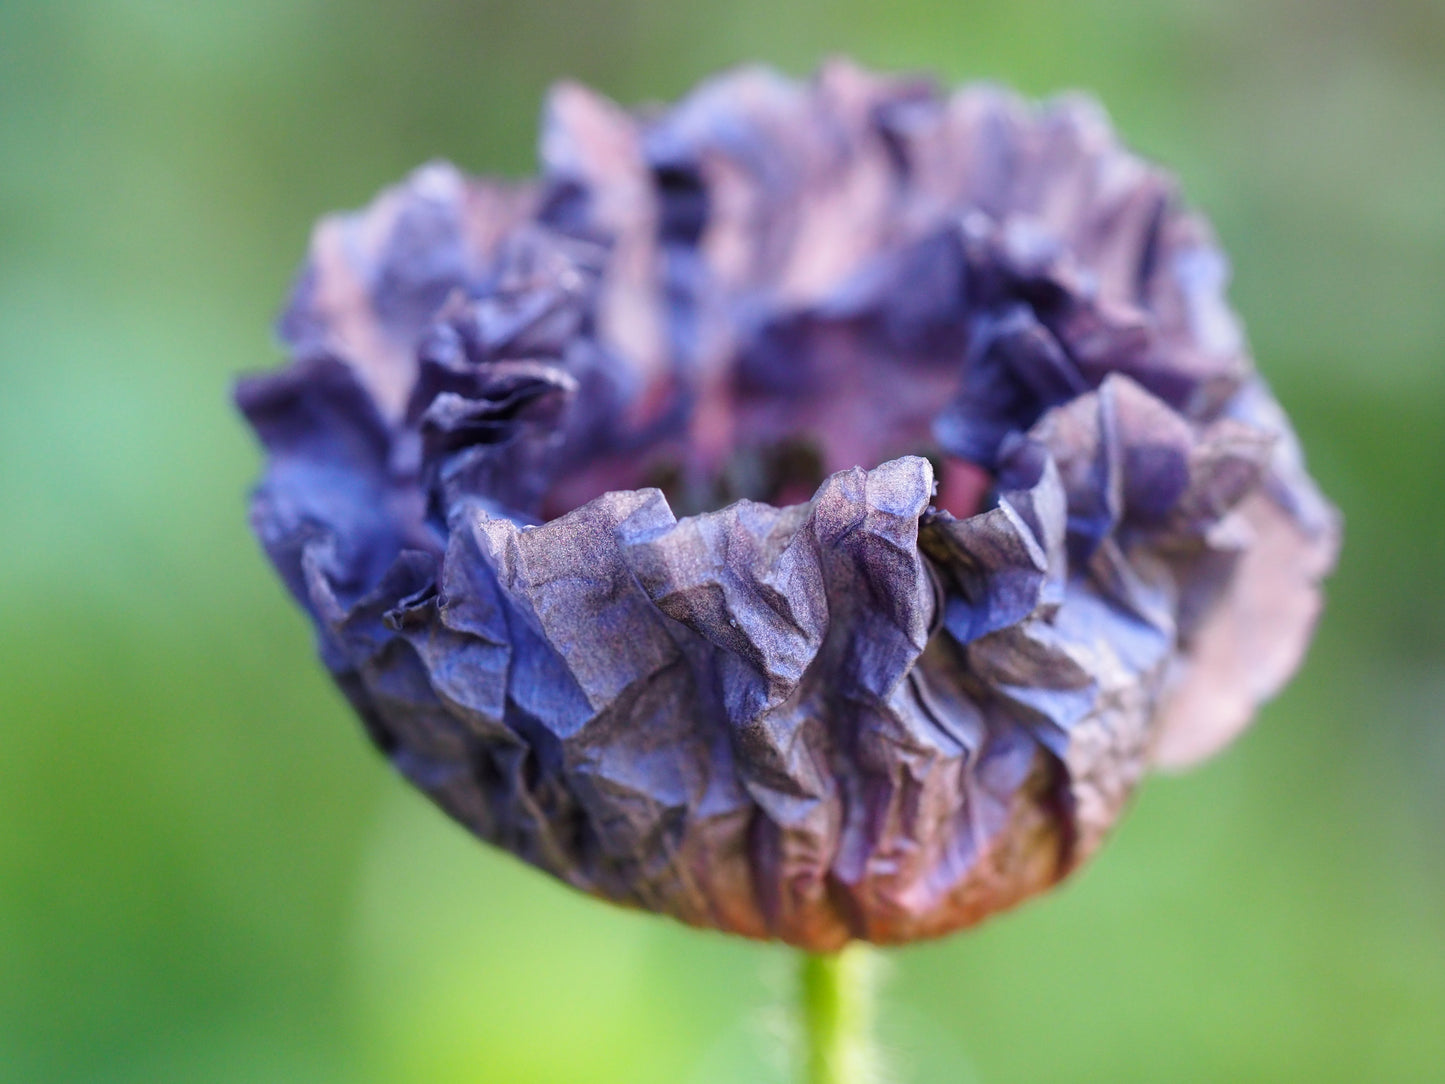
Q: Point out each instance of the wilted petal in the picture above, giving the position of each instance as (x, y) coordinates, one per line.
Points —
(807, 511)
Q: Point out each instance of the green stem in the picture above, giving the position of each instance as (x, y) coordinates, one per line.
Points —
(837, 1011)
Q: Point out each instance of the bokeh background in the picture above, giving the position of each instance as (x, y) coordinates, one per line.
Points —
(207, 876)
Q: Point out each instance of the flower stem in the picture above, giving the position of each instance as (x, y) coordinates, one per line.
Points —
(837, 1016)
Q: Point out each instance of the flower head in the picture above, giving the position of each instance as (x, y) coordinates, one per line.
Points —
(805, 510)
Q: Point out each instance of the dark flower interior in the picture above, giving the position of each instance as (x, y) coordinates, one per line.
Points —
(806, 510)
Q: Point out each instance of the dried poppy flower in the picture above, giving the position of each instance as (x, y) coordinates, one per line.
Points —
(805, 511)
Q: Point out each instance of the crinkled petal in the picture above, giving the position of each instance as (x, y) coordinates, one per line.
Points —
(806, 511)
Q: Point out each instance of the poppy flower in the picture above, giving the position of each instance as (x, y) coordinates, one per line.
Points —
(805, 510)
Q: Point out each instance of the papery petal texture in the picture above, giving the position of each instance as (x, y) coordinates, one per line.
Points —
(806, 510)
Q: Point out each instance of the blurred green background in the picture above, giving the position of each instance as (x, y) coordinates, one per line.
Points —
(207, 876)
